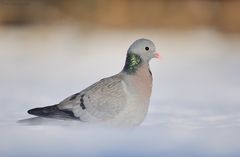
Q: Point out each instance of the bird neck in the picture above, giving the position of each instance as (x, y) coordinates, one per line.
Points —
(133, 62)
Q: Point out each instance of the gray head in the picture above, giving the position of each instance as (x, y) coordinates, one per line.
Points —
(139, 53)
(144, 48)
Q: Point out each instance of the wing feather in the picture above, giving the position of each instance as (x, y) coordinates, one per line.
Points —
(101, 101)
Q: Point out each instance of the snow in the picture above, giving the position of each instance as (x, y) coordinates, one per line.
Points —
(195, 103)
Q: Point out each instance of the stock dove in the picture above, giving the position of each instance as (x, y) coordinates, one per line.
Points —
(122, 99)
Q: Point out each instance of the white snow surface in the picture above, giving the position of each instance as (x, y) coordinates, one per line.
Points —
(195, 103)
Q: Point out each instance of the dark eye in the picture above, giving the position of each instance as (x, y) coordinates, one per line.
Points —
(146, 48)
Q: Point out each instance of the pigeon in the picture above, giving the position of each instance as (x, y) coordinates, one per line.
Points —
(122, 99)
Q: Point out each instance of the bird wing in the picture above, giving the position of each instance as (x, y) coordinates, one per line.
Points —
(101, 101)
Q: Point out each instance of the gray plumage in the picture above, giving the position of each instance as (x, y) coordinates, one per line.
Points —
(122, 99)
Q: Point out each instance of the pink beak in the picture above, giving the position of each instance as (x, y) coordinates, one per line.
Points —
(157, 55)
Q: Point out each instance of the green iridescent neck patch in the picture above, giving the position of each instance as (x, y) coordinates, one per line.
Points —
(132, 63)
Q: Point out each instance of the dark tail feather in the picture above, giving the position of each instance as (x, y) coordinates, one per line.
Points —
(52, 112)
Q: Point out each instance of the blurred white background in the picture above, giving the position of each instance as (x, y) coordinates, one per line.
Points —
(195, 103)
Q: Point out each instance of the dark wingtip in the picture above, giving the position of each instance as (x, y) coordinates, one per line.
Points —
(29, 111)
(34, 111)
(51, 112)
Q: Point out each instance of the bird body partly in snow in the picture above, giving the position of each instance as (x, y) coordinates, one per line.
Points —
(122, 99)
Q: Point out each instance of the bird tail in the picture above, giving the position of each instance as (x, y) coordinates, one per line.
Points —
(52, 112)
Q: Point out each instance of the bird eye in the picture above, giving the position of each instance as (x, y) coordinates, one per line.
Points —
(146, 48)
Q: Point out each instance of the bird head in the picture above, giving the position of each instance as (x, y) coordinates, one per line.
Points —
(145, 49)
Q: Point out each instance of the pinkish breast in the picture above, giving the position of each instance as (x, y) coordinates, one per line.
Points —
(141, 82)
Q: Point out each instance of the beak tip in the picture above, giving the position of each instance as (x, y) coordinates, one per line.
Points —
(157, 55)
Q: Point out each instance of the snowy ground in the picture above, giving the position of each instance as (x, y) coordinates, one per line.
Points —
(195, 104)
